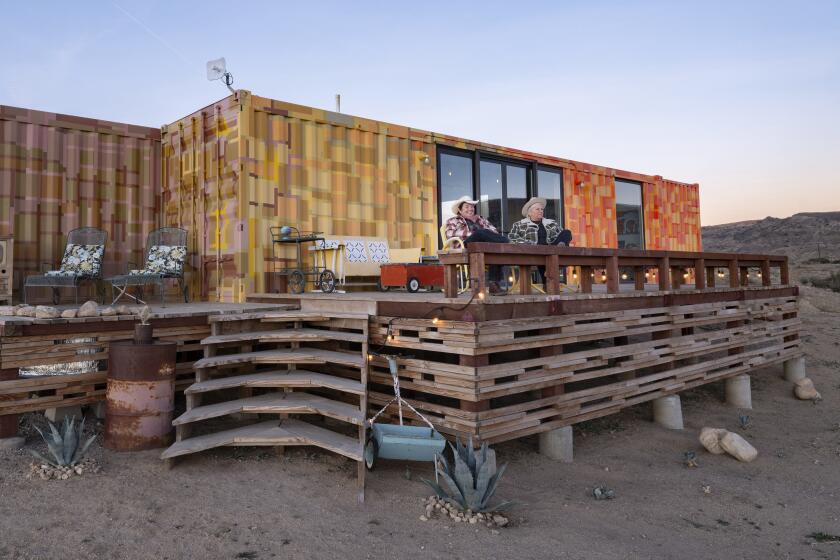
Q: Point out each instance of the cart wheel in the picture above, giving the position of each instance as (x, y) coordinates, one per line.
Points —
(413, 285)
(297, 282)
(381, 287)
(327, 281)
(371, 453)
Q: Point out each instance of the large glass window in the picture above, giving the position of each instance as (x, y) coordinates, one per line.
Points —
(517, 193)
(550, 187)
(490, 197)
(456, 180)
(628, 211)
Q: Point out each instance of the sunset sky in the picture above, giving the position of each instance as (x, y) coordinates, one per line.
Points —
(741, 97)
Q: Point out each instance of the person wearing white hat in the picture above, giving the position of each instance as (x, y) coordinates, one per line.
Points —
(468, 226)
(536, 229)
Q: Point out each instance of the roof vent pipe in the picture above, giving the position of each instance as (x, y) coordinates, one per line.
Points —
(337, 102)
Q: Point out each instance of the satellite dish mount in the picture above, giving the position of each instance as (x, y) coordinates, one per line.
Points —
(217, 70)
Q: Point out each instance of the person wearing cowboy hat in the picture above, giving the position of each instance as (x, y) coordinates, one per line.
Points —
(468, 226)
(535, 229)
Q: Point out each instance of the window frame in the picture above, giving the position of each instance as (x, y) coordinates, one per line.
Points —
(642, 221)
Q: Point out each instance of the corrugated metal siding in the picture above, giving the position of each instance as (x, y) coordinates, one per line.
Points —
(59, 172)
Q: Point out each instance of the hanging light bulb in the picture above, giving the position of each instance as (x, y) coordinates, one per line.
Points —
(480, 295)
(720, 273)
(624, 276)
(759, 274)
(647, 275)
(574, 275)
(435, 321)
(685, 274)
(510, 279)
(603, 276)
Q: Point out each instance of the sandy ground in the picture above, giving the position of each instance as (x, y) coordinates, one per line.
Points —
(248, 503)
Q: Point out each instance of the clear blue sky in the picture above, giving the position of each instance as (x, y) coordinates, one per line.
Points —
(741, 97)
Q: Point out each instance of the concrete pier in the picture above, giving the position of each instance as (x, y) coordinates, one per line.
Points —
(738, 393)
(667, 412)
(557, 444)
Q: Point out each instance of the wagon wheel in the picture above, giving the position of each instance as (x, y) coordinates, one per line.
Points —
(381, 287)
(412, 285)
(371, 453)
(327, 281)
(297, 282)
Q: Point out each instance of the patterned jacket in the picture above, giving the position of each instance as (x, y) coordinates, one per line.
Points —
(525, 231)
(456, 226)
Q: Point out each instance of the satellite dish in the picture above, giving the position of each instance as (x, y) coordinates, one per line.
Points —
(216, 69)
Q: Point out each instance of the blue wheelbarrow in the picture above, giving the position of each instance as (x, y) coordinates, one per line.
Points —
(408, 443)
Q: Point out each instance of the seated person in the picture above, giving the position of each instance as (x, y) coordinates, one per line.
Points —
(468, 226)
(535, 229)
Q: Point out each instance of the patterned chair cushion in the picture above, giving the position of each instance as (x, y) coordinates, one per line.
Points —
(61, 273)
(81, 260)
(167, 260)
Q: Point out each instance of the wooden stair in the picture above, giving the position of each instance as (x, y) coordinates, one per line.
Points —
(281, 378)
(285, 338)
(272, 433)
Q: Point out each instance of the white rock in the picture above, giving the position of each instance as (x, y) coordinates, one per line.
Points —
(25, 311)
(423, 518)
(710, 439)
(46, 312)
(804, 390)
(69, 313)
(108, 311)
(500, 520)
(88, 309)
(738, 447)
(8, 310)
(123, 310)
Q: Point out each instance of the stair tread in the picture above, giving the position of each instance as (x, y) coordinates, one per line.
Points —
(280, 378)
(281, 356)
(291, 403)
(310, 316)
(285, 335)
(286, 432)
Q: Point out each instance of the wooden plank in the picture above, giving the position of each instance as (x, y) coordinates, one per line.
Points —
(298, 356)
(272, 433)
(288, 403)
(282, 378)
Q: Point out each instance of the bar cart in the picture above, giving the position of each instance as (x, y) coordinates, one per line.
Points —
(296, 277)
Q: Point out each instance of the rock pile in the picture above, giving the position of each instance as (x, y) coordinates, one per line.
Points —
(719, 441)
(439, 507)
(49, 472)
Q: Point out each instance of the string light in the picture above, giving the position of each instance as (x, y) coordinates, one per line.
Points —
(480, 295)
(624, 276)
(685, 274)
(759, 274)
(603, 277)
(647, 275)
(720, 273)
(574, 275)
(435, 321)
(510, 279)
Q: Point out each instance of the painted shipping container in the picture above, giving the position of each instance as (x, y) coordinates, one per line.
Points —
(59, 172)
(233, 169)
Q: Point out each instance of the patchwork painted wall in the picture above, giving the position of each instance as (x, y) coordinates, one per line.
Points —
(59, 172)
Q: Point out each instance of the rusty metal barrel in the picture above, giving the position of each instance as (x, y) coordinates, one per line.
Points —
(140, 396)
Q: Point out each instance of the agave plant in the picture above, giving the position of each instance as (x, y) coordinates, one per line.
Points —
(471, 480)
(65, 446)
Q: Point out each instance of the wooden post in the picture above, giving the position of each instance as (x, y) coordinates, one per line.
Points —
(676, 277)
(765, 272)
(700, 274)
(450, 280)
(784, 272)
(9, 422)
(586, 279)
(664, 273)
(745, 276)
(639, 276)
(612, 275)
(710, 276)
(733, 273)
(477, 283)
(525, 280)
(552, 275)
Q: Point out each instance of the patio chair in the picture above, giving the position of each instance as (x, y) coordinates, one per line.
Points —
(166, 250)
(82, 262)
(455, 244)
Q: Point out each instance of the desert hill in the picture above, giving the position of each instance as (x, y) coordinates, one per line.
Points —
(797, 236)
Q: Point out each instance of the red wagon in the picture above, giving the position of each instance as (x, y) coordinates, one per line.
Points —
(411, 276)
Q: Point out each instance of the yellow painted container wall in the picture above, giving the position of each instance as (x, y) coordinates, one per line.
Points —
(59, 172)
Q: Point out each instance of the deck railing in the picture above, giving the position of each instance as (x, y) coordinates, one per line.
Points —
(668, 269)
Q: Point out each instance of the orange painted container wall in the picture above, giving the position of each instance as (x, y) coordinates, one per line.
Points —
(233, 169)
(59, 172)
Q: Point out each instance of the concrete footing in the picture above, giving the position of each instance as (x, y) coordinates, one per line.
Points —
(557, 444)
(795, 369)
(667, 412)
(56, 415)
(738, 393)
(12, 442)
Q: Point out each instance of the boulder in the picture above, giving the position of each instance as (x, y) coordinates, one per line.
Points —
(69, 313)
(88, 309)
(710, 439)
(804, 390)
(123, 310)
(738, 447)
(108, 311)
(8, 310)
(25, 311)
(46, 312)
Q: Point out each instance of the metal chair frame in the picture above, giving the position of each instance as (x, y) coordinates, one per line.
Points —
(78, 236)
(171, 236)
